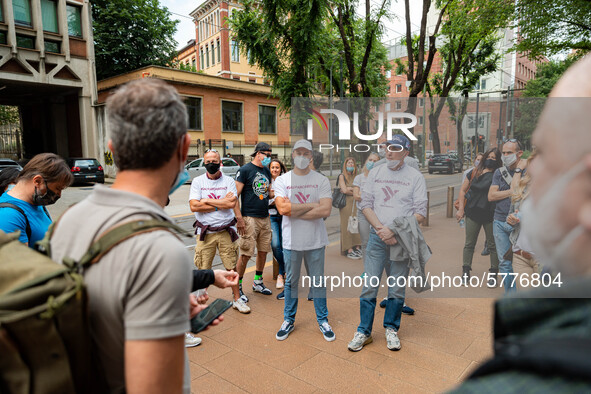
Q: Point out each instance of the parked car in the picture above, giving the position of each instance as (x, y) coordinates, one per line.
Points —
(445, 162)
(86, 170)
(229, 167)
(8, 163)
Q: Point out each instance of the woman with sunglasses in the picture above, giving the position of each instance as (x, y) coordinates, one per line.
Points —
(40, 183)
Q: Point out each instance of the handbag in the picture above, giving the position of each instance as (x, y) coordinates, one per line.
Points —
(353, 222)
(339, 199)
(457, 201)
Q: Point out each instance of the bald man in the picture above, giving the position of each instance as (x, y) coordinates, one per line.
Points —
(543, 337)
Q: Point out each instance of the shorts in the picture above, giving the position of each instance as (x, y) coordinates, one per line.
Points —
(257, 232)
(205, 250)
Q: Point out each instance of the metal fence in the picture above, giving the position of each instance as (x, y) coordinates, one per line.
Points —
(11, 143)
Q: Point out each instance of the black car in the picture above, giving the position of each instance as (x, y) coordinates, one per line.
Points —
(8, 163)
(86, 170)
(445, 162)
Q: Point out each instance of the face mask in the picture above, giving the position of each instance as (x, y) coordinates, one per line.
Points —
(509, 159)
(476, 162)
(182, 177)
(301, 162)
(490, 163)
(369, 165)
(266, 161)
(50, 197)
(350, 169)
(392, 164)
(541, 226)
(382, 152)
(212, 168)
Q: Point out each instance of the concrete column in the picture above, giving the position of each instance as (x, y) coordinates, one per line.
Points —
(9, 18)
(38, 26)
(62, 17)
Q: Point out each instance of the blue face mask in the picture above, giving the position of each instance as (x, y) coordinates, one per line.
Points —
(266, 161)
(350, 169)
(181, 178)
(369, 165)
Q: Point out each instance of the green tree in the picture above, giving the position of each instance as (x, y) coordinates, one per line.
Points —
(129, 34)
(548, 27)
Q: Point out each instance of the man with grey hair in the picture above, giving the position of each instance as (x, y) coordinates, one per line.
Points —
(543, 336)
(139, 303)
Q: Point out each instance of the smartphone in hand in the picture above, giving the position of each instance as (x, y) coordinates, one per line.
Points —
(209, 314)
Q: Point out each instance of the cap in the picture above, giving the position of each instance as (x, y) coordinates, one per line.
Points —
(261, 147)
(399, 140)
(302, 144)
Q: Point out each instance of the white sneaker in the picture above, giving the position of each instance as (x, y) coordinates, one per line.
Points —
(191, 341)
(241, 306)
(392, 340)
(359, 341)
(280, 282)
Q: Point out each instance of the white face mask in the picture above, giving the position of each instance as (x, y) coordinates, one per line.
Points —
(392, 164)
(301, 162)
(541, 226)
(509, 159)
(476, 162)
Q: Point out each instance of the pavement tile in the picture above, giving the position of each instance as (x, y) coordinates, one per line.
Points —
(196, 370)
(438, 338)
(367, 358)
(209, 350)
(471, 368)
(434, 306)
(211, 383)
(481, 349)
(458, 325)
(250, 340)
(336, 375)
(252, 375)
(414, 375)
(479, 318)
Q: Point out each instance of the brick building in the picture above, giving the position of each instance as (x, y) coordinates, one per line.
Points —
(47, 70)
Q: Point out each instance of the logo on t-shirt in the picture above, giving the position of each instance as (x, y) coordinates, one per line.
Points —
(213, 196)
(302, 198)
(388, 193)
(260, 186)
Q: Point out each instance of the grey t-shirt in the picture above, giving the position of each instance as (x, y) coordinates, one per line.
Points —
(502, 207)
(137, 291)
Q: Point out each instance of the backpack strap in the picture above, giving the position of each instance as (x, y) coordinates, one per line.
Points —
(122, 232)
(15, 207)
(506, 176)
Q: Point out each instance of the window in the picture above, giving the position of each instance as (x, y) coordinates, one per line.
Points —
(219, 51)
(201, 59)
(22, 12)
(231, 116)
(52, 46)
(212, 54)
(195, 164)
(49, 15)
(388, 74)
(420, 120)
(398, 105)
(421, 102)
(472, 121)
(267, 119)
(236, 77)
(194, 111)
(74, 21)
(194, 61)
(235, 51)
(388, 107)
(483, 84)
(207, 56)
(25, 42)
(398, 88)
(229, 163)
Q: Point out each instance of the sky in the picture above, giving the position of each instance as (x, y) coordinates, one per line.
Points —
(395, 28)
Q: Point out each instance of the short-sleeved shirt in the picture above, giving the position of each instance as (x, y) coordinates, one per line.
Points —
(137, 291)
(392, 194)
(502, 207)
(204, 187)
(255, 193)
(12, 220)
(303, 234)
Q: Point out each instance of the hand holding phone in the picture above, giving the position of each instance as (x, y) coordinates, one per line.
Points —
(209, 314)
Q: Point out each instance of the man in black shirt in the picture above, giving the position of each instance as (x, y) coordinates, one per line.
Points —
(253, 183)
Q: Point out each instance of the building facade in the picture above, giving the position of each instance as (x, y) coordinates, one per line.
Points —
(47, 69)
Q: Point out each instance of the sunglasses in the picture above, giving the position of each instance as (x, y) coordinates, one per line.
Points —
(266, 154)
(514, 140)
(211, 150)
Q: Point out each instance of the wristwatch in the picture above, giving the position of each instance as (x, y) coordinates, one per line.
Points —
(518, 170)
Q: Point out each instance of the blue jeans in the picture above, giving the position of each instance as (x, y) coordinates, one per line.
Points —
(501, 231)
(314, 261)
(376, 260)
(276, 242)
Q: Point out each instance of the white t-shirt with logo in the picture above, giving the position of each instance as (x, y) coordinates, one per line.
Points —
(303, 234)
(203, 187)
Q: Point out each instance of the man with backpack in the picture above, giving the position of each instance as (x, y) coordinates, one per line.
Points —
(139, 304)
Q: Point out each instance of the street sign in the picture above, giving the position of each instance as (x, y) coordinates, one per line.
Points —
(230, 145)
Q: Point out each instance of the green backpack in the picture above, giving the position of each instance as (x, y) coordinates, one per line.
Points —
(45, 343)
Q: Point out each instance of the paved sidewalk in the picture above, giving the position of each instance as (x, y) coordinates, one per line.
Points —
(445, 339)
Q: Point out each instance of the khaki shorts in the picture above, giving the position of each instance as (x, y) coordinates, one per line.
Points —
(257, 232)
(205, 250)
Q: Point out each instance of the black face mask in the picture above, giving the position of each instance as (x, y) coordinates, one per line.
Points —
(490, 163)
(212, 168)
(50, 197)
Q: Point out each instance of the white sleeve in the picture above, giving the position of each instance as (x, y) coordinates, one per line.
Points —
(195, 193)
(324, 191)
(419, 196)
(367, 194)
(232, 187)
(279, 186)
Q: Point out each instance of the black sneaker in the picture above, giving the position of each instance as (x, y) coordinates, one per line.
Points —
(243, 296)
(259, 287)
(327, 332)
(383, 303)
(281, 296)
(407, 310)
(284, 331)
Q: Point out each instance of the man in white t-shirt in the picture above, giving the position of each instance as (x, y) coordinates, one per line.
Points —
(304, 198)
(213, 198)
(392, 191)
